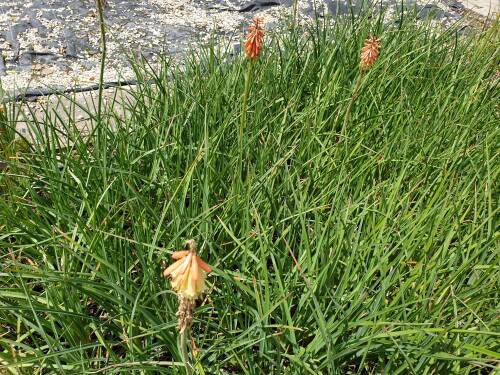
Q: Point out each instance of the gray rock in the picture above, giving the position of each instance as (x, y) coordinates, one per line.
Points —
(66, 32)
(455, 5)
(237, 48)
(336, 7)
(3, 68)
(50, 15)
(431, 11)
(25, 60)
(256, 5)
(45, 58)
(11, 37)
(70, 48)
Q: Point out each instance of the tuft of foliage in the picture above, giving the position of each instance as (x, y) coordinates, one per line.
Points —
(368, 250)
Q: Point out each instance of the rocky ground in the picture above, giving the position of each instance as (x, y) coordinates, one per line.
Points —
(54, 44)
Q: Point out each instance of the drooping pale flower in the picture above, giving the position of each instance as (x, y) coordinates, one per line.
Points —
(253, 40)
(369, 52)
(188, 273)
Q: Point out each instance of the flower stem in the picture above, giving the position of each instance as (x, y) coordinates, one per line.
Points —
(243, 118)
(294, 11)
(354, 96)
(102, 26)
(183, 347)
(101, 140)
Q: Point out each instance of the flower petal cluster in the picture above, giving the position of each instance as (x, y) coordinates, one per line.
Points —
(188, 273)
(369, 52)
(253, 40)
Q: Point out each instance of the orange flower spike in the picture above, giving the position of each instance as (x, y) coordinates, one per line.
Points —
(168, 271)
(177, 268)
(195, 272)
(203, 265)
(180, 254)
(253, 40)
(369, 52)
(188, 273)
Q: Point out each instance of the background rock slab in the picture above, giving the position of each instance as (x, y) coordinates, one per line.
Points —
(54, 44)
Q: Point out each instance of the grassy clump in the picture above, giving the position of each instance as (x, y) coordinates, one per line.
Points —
(366, 251)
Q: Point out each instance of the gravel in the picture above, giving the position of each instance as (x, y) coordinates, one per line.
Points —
(54, 44)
